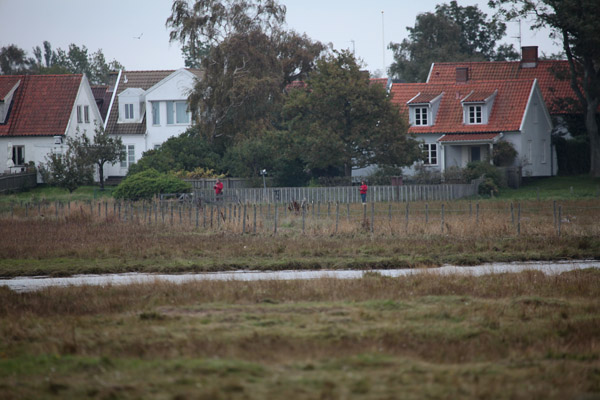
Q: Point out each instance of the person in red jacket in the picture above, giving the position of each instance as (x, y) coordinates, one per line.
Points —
(218, 189)
(363, 191)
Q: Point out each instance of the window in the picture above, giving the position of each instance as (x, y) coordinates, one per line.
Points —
(177, 113)
(18, 155)
(155, 113)
(476, 153)
(128, 111)
(86, 114)
(421, 116)
(79, 118)
(475, 116)
(156, 146)
(430, 153)
(128, 153)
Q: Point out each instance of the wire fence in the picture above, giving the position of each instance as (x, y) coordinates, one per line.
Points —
(458, 218)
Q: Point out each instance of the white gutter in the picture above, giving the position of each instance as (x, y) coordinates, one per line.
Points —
(112, 99)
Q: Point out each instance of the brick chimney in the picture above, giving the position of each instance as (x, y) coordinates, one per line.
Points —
(529, 56)
(462, 74)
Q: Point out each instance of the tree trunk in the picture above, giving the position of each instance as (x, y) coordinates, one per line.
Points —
(347, 169)
(591, 125)
(101, 173)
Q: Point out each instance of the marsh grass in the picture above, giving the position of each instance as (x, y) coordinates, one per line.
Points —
(81, 241)
(525, 335)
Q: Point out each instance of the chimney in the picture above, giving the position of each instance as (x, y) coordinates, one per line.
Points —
(462, 74)
(529, 56)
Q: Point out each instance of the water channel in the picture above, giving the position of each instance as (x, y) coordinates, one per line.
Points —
(25, 284)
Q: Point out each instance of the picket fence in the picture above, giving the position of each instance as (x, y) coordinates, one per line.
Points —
(343, 194)
(17, 182)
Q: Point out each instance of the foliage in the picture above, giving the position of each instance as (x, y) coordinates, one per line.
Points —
(574, 23)
(206, 23)
(103, 148)
(146, 184)
(71, 169)
(488, 187)
(452, 33)
(477, 169)
(13, 60)
(573, 155)
(185, 152)
(198, 173)
(75, 60)
(504, 154)
(342, 121)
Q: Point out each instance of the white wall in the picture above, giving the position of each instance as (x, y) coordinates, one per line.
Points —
(535, 151)
(139, 143)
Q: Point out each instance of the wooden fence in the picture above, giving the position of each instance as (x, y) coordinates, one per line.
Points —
(17, 182)
(345, 194)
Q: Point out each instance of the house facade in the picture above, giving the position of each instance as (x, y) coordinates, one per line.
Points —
(38, 113)
(146, 109)
(461, 121)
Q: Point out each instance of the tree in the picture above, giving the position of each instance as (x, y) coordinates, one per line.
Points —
(146, 184)
(575, 23)
(103, 149)
(203, 24)
(341, 121)
(452, 33)
(14, 61)
(71, 169)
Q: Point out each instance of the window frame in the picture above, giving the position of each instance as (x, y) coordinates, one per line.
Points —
(128, 150)
(129, 114)
(86, 114)
(156, 113)
(419, 113)
(79, 115)
(173, 106)
(474, 114)
(430, 152)
(15, 155)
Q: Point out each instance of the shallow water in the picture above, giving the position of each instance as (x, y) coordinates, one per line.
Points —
(25, 284)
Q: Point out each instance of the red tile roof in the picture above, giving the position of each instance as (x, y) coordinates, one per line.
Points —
(472, 137)
(42, 104)
(507, 111)
(552, 76)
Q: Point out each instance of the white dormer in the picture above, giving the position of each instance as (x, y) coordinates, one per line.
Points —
(5, 102)
(477, 107)
(132, 105)
(422, 109)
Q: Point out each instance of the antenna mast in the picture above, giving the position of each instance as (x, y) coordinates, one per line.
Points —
(383, 44)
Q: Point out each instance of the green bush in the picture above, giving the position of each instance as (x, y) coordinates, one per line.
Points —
(146, 184)
(476, 169)
(504, 154)
(487, 187)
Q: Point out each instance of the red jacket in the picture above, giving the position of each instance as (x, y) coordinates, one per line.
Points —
(218, 187)
(363, 189)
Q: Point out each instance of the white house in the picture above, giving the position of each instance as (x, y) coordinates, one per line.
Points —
(461, 121)
(147, 108)
(38, 112)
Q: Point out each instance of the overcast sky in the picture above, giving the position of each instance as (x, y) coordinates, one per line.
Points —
(134, 32)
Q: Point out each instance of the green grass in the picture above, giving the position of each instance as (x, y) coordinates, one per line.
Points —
(52, 194)
(555, 188)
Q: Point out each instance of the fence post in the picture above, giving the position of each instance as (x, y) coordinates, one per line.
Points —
(348, 210)
(519, 220)
(244, 221)
(254, 229)
(442, 218)
(337, 216)
(554, 212)
(477, 218)
(390, 213)
(407, 211)
(372, 216)
(559, 219)
(426, 213)
(303, 217)
(197, 216)
(512, 213)
(275, 219)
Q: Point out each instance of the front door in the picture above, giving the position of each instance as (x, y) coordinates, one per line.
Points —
(476, 153)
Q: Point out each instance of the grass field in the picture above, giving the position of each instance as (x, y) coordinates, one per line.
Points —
(510, 336)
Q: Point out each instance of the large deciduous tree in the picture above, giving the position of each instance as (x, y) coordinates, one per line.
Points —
(452, 33)
(575, 23)
(342, 121)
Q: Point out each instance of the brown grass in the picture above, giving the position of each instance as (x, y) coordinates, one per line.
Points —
(524, 335)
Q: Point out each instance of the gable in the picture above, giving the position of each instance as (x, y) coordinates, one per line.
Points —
(41, 104)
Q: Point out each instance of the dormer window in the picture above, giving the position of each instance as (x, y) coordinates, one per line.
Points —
(423, 108)
(477, 107)
(128, 111)
(421, 114)
(474, 114)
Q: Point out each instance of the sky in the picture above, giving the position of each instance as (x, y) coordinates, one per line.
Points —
(134, 32)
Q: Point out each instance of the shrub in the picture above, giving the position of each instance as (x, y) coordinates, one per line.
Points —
(488, 187)
(504, 154)
(476, 169)
(146, 184)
